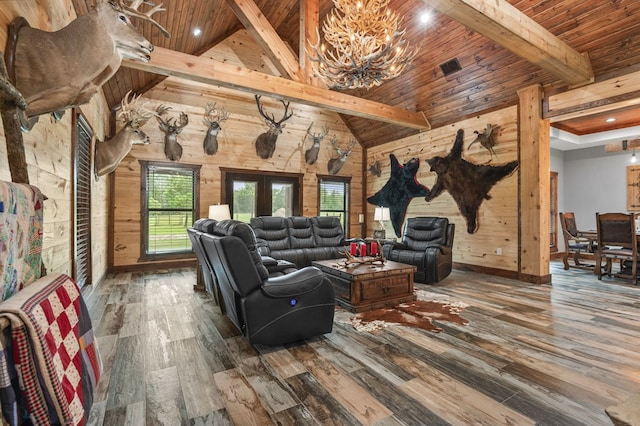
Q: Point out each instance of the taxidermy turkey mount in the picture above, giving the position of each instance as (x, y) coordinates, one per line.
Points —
(469, 184)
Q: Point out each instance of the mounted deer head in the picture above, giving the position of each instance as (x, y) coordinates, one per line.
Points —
(212, 118)
(335, 164)
(62, 69)
(171, 129)
(311, 155)
(108, 154)
(266, 142)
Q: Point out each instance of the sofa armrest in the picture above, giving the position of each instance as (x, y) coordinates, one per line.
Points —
(268, 261)
(446, 250)
(262, 246)
(438, 263)
(294, 284)
(395, 245)
(438, 251)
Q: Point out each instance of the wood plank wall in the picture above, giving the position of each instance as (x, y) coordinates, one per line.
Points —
(236, 146)
(49, 153)
(497, 217)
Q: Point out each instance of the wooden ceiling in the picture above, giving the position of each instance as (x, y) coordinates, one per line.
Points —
(606, 31)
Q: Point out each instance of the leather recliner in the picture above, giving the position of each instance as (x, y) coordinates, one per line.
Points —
(426, 243)
(267, 310)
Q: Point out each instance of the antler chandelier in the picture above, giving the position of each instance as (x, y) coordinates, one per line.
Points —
(366, 46)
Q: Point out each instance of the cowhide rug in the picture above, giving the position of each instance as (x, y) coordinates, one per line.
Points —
(420, 313)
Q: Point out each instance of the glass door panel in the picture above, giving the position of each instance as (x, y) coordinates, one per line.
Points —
(244, 200)
(281, 199)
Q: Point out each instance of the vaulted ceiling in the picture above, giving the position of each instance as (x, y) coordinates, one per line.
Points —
(603, 34)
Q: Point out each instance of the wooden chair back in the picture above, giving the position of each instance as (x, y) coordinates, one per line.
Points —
(574, 244)
(568, 223)
(617, 230)
(617, 240)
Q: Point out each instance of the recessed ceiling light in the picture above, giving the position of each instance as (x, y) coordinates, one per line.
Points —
(610, 119)
(425, 17)
(197, 31)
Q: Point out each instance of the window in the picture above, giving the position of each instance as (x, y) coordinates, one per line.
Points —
(82, 200)
(553, 219)
(261, 194)
(169, 205)
(333, 199)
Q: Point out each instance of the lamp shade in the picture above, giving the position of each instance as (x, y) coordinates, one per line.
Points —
(219, 212)
(381, 213)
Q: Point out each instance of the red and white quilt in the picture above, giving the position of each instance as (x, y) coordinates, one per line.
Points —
(54, 353)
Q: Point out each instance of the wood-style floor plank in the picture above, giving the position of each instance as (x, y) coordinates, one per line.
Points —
(555, 354)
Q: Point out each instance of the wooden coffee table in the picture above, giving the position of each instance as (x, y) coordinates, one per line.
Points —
(365, 287)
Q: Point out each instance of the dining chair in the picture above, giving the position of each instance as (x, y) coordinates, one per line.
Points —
(574, 243)
(617, 240)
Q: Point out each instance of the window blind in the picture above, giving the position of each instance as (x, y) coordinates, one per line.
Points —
(82, 202)
(170, 201)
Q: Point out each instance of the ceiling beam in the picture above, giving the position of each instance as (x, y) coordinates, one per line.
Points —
(509, 27)
(279, 52)
(620, 146)
(309, 23)
(205, 70)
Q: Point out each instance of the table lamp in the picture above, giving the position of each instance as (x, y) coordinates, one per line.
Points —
(381, 214)
(219, 212)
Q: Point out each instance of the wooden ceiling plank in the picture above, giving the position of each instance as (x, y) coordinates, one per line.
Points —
(265, 35)
(171, 63)
(506, 25)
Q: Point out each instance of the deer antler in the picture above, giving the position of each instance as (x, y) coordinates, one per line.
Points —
(270, 120)
(132, 10)
(184, 120)
(334, 143)
(211, 115)
(285, 116)
(162, 110)
(318, 136)
(170, 124)
(351, 145)
(134, 117)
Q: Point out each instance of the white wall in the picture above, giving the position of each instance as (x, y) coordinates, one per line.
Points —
(557, 165)
(593, 181)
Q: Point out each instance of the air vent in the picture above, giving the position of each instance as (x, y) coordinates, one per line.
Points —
(450, 67)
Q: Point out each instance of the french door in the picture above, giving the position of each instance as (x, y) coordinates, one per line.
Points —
(262, 194)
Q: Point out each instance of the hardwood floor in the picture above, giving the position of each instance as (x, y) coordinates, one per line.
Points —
(531, 354)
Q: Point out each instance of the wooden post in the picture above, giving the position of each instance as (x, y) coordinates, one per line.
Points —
(533, 135)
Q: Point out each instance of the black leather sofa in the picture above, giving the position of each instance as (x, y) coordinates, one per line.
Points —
(299, 239)
(267, 309)
(426, 243)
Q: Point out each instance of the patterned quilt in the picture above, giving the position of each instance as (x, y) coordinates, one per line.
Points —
(50, 366)
(20, 236)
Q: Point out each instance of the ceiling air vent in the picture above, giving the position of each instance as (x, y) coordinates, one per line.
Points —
(450, 67)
